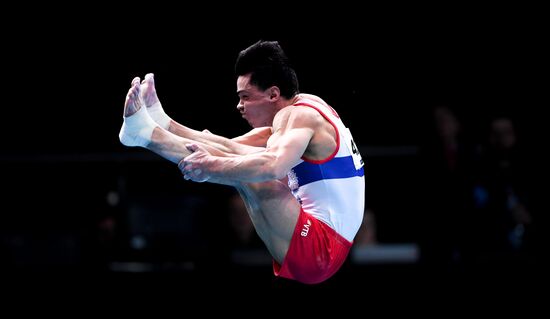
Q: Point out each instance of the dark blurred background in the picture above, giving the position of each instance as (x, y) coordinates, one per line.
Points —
(78, 204)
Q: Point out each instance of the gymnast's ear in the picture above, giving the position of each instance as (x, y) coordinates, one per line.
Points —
(274, 93)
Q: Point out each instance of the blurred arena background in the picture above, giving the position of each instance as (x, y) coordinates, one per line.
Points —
(78, 204)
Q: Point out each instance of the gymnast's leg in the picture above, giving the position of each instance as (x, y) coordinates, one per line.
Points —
(154, 108)
(139, 129)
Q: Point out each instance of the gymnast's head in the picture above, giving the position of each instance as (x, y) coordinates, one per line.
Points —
(268, 66)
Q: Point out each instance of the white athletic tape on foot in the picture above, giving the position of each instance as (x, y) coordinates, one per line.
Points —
(137, 129)
(157, 113)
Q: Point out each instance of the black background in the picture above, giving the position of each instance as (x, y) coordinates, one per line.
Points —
(65, 77)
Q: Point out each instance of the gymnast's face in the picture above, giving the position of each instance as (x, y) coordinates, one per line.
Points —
(255, 105)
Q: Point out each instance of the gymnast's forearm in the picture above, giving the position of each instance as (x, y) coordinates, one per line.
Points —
(172, 147)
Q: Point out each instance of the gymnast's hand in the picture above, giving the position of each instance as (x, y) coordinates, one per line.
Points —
(195, 167)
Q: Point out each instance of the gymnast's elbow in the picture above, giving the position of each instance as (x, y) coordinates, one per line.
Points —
(275, 171)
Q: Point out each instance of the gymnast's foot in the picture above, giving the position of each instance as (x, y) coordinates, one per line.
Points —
(152, 103)
(138, 126)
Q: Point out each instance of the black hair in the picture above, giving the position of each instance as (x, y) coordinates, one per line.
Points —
(268, 66)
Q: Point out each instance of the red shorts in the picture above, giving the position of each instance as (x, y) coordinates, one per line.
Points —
(315, 253)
